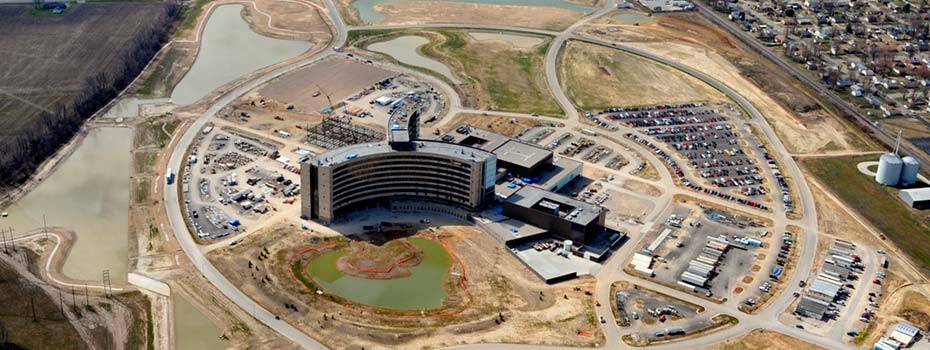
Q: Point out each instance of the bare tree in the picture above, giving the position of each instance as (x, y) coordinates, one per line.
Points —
(21, 155)
(4, 335)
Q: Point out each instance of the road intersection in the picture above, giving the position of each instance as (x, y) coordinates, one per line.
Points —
(769, 318)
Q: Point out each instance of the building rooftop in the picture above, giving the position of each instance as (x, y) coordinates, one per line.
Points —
(916, 194)
(522, 154)
(813, 305)
(825, 287)
(571, 209)
(555, 176)
(340, 155)
(467, 135)
(507, 149)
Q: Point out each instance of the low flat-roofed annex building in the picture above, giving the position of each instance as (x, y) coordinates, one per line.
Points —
(519, 157)
(917, 198)
(372, 174)
(562, 216)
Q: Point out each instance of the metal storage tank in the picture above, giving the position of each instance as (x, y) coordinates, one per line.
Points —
(910, 170)
(889, 169)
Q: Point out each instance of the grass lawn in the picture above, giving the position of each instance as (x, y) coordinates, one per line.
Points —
(597, 77)
(191, 13)
(156, 82)
(502, 77)
(879, 204)
(153, 132)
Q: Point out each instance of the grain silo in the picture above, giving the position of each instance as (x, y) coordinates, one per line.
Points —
(910, 170)
(889, 169)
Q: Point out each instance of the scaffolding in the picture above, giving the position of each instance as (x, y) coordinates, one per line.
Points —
(337, 132)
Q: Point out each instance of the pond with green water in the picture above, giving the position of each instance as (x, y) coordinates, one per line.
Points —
(423, 289)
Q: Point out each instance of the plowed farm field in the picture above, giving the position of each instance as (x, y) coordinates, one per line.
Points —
(46, 58)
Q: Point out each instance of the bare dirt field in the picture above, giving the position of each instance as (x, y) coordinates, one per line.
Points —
(412, 12)
(598, 77)
(642, 188)
(288, 20)
(793, 110)
(48, 58)
(508, 302)
(763, 339)
(337, 77)
(444, 12)
(268, 118)
(508, 126)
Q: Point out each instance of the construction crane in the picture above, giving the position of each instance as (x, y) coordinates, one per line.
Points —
(329, 99)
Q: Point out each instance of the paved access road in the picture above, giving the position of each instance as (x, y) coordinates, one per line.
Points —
(768, 318)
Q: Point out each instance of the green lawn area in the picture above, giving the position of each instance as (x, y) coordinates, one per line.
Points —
(156, 81)
(190, 13)
(880, 205)
(513, 80)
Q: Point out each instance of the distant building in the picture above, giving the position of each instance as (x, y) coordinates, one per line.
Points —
(373, 174)
(813, 308)
(917, 198)
(904, 333)
(562, 216)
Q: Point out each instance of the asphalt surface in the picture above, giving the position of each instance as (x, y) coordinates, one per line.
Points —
(886, 137)
(768, 318)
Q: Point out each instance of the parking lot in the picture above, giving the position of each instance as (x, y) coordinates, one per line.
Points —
(233, 180)
(689, 240)
(840, 285)
(657, 316)
(704, 137)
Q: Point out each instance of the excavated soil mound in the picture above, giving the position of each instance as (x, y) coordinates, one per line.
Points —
(389, 261)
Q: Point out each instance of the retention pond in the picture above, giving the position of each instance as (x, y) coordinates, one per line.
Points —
(423, 289)
(404, 49)
(192, 329)
(88, 193)
(229, 49)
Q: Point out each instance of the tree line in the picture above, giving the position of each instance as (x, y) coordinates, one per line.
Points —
(21, 156)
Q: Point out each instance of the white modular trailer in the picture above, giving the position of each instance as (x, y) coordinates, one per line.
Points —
(693, 279)
(706, 260)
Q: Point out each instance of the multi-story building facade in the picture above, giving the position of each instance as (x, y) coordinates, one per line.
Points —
(372, 174)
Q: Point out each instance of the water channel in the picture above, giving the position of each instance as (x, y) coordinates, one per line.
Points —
(229, 50)
(423, 289)
(129, 107)
(88, 193)
(193, 330)
(404, 49)
(367, 13)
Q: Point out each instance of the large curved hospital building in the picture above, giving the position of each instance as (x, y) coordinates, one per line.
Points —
(373, 174)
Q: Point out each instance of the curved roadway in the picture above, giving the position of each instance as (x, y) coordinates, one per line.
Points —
(768, 318)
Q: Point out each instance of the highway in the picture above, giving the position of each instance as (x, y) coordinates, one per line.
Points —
(768, 318)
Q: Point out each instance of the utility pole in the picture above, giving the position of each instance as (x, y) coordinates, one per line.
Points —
(86, 297)
(61, 303)
(12, 241)
(106, 282)
(45, 226)
(3, 238)
(32, 303)
(73, 299)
